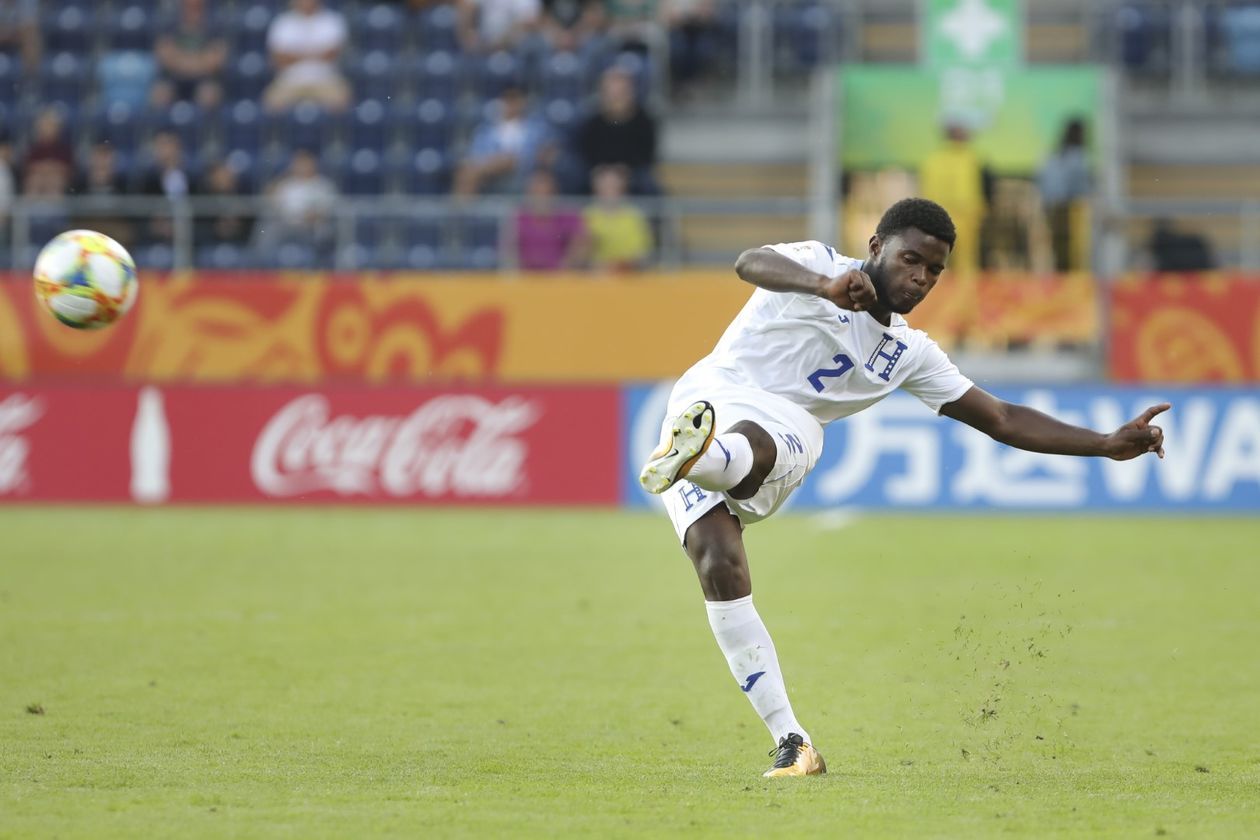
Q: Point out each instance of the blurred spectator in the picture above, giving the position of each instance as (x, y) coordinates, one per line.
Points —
(548, 238)
(635, 24)
(572, 25)
(621, 132)
(620, 238)
(505, 149)
(299, 207)
(1172, 250)
(221, 227)
(1064, 181)
(693, 35)
(486, 26)
(49, 163)
(19, 31)
(97, 186)
(953, 177)
(190, 58)
(166, 176)
(305, 44)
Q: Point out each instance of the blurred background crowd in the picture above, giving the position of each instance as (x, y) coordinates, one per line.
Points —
(602, 134)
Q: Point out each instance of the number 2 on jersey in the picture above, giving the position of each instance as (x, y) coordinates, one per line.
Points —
(816, 378)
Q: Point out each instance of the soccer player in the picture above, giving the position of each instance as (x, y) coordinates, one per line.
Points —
(821, 338)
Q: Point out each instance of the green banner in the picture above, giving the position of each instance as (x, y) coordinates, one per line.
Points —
(971, 33)
(895, 116)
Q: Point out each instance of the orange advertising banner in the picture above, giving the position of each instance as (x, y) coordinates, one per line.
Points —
(1192, 328)
(304, 328)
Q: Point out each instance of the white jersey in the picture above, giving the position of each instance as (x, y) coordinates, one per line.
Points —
(827, 360)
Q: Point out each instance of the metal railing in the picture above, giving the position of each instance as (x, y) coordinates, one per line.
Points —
(360, 232)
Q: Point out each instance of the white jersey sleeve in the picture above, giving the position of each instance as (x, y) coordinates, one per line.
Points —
(816, 256)
(936, 381)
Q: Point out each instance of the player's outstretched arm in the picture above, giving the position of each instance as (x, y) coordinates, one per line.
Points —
(774, 272)
(1026, 428)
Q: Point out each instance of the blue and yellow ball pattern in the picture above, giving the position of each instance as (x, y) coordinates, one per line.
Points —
(85, 279)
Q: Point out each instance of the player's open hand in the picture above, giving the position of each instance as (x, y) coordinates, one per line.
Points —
(852, 290)
(1138, 436)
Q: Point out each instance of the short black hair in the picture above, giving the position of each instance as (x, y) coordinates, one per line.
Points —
(927, 216)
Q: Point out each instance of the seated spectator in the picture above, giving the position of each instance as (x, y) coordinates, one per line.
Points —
(548, 238)
(221, 227)
(620, 238)
(505, 149)
(573, 25)
(486, 26)
(49, 164)
(19, 31)
(299, 208)
(1173, 250)
(97, 186)
(305, 44)
(190, 59)
(165, 176)
(692, 26)
(621, 132)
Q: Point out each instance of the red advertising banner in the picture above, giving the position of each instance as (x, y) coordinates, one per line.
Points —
(378, 445)
(1195, 328)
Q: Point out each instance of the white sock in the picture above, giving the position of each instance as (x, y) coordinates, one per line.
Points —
(726, 462)
(749, 651)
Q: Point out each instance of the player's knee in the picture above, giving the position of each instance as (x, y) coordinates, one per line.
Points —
(765, 453)
(723, 574)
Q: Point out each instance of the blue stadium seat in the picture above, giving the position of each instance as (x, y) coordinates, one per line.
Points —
(187, 122)
(126, 77)
(294, 255)
(68, 28)
(246, 76)
(10, 79)
(1240, 30)
(561, 114)
(1143, 30)
(119, 124)
(159, 257)
(377, 75)
(424, 172)
(438, 29)
(420, 243)
(427, 124)
(804, 35)
(223, 256)
(371, 231)
(245, 165)
(365, 173)
(368, 128)
(243, 128)
(379, 27)
(64, 79)
(307, 126)
(130, 27)
(247, 27)
(564, 76)
(494, 72)
(438, 76)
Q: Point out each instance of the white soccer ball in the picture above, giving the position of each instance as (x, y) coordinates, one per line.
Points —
(85, 279)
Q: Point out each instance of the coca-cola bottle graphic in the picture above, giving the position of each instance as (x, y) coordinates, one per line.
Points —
(150, 449)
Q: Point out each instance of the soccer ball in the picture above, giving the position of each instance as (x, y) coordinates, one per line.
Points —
(85, 279)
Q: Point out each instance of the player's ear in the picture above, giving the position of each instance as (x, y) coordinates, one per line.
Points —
(874, 246)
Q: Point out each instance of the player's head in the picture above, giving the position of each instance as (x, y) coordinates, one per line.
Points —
(908, 252)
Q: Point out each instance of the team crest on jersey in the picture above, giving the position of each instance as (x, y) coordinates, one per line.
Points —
(890, 356)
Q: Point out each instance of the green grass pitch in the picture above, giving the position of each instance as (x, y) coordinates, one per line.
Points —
(342, 672)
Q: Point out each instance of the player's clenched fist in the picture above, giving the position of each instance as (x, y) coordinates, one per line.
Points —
(852, 290)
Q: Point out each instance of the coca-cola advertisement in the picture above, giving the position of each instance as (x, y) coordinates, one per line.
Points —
(352, 444)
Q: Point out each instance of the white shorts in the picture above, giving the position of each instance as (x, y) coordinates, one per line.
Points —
(798, 435)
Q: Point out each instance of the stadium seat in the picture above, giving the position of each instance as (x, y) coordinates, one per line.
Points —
(379, 27)
(293, 255)
(423, 172)
(243, 128)
(367, 126)
(307, 126)
(377, 75)
(563, 76)
(247, 27)
(365, 173)
(561, 114)
(119, 124)
(1143, 32)
(246, 76)
(438, 77)
(420, 243)
(130, 27)
(186, 121)
(64, 79)
(159, 257)
(494, 72)
(10, 79)
(223, 256)
(804, 35)
(68, 28)
(438, 29)
(1240, 30)
(428, 124)
(126, 77)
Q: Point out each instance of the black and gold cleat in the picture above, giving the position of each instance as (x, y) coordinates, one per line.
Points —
(682, 445)
(794, 757)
